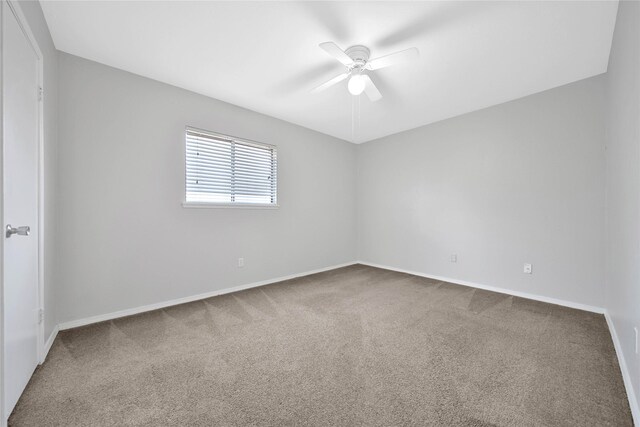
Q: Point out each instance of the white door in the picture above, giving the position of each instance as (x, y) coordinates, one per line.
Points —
(20, 86)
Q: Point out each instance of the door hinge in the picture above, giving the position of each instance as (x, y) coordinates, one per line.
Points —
(40, 93)
(40, 316)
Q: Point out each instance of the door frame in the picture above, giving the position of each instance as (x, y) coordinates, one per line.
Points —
(12, 6)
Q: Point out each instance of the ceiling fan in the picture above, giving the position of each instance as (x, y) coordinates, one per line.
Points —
(356, 59)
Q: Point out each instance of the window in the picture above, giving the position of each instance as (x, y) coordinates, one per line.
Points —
(225, 170)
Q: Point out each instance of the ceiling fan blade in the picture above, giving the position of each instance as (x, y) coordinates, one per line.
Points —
(392, 59)
(330, 83)
(370, 89)
(332, 49)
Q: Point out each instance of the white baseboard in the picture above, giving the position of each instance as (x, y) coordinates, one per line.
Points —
(541, 298)
(628, 385)
(141, 309)
(49, 343)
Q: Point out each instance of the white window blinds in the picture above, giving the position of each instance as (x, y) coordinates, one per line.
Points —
(226, 170)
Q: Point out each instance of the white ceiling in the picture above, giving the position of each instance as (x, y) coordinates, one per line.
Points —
(264, 56)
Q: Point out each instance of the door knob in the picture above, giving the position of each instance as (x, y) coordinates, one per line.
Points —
(20, 231)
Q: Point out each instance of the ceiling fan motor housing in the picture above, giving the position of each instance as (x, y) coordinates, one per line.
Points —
(359, 54)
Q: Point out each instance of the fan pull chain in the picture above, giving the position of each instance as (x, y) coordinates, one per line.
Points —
(359, 114)
(353, 119)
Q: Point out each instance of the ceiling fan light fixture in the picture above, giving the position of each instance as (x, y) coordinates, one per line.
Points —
(356, 84)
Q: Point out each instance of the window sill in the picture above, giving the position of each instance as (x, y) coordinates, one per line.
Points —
(204, 205)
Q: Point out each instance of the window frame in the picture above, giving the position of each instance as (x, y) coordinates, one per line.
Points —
(226, 205)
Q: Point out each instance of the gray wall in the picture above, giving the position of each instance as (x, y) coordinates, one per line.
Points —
(38, 25)
(622, 290)
(126, 239)
(519, 182)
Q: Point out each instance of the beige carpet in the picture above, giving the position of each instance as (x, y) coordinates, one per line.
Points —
(353, 346)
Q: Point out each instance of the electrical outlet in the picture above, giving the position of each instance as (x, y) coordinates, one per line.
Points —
(527, 269)
(454, 258)
(635, 329)
(240, 262)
